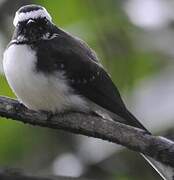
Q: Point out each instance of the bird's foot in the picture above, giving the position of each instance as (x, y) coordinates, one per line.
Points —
(19, 106)
(48, 115)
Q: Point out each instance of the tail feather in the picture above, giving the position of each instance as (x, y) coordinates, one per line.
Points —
(166, 172)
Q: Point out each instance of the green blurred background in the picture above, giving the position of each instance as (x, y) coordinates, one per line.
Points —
(135, 41)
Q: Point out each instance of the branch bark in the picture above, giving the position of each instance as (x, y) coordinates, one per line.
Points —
(18, 176)
(135, 139)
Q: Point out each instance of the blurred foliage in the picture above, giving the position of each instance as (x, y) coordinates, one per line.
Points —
(106, 28)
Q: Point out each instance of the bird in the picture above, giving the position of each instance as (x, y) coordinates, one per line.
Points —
(51, 70)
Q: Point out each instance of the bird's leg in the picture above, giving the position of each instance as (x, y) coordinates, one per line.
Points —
(48, 115)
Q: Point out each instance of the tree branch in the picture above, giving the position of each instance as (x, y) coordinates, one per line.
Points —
(19, 176)
(135, 139)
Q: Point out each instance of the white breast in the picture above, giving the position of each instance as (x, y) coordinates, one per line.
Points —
(34, 89)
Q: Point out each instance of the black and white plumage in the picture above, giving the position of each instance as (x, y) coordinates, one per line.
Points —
(51, 70)
(48, 69)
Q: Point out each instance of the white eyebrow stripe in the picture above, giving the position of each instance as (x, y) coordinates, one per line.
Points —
(31, 15)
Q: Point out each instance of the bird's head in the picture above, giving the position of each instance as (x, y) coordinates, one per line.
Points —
(32, 23)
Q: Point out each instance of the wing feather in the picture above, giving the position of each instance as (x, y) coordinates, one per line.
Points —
(84, 72)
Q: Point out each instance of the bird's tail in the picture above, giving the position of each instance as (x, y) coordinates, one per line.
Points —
(166, 172)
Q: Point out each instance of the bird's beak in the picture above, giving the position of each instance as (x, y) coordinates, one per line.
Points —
(31, 21)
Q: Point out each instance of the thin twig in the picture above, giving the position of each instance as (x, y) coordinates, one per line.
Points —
(19, 176)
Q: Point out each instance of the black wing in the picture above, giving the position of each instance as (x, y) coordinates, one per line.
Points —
(85, 73)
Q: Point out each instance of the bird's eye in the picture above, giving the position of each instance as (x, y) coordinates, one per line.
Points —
(45, 19)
